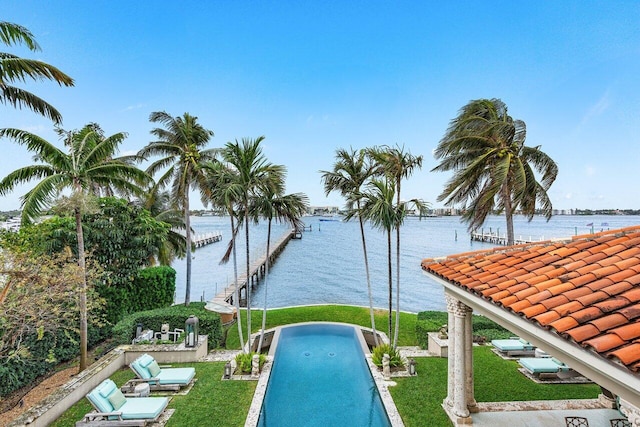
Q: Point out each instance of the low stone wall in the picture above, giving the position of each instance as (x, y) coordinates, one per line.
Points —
(438, 346)
(51, 407)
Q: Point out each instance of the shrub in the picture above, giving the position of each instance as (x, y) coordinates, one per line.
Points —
(432, 321)
(243, 360)
(379, 352)
(175, 316)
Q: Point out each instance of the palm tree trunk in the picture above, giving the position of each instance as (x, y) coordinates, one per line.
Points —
(366, 269)
(390, 282)
(246, 238)
(397, 327)
(187, 297)
(266, 276)
(508, 213)
(82, 303)
(236, 298)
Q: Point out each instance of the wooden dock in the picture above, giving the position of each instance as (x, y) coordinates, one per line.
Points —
(200, 240)
(257, 271)
(499, 239)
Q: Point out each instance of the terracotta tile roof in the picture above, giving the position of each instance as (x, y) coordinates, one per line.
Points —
(586, 289)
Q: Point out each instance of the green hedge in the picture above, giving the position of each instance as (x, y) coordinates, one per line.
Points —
(432, 321)
(209, 322)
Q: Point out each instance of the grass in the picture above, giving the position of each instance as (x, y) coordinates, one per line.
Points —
(211, 401)
(333, 313)
(226, 403)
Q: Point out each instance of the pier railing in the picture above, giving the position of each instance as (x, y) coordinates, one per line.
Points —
(500, 239)
(257, 271)
(207, 238)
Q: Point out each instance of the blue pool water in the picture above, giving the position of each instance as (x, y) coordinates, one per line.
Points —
(320, 378)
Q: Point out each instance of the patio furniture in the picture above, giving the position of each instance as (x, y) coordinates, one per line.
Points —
(620, 422)
(576, 422)
(115, 409)
(514, 346)
(546, 367)
(159, 378)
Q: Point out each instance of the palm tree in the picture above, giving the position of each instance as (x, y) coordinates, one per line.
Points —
(271, 204)
(181, 144)
(378, 207)
(350, 173)
(89, 165)
(493, 169)
(16, 69)
(254, 173)
(225, 192)
(398, 164)
(158, 203)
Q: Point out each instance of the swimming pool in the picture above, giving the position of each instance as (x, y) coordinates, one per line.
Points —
(320, 378)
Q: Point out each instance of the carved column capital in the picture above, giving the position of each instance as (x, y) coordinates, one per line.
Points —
(631, 412)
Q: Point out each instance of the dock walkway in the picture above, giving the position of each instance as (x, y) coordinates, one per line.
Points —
(256, 271)
(200, 240)
(499, 239)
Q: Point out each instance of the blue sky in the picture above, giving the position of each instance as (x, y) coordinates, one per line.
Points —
(316, 76)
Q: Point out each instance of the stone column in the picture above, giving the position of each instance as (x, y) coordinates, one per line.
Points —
(451, 305)
(631, 412)
(460, 387)
(468, 350)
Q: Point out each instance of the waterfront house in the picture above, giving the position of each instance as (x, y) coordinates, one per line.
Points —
(577, 299)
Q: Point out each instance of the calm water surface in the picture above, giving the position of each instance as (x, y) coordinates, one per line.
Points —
(326, 265)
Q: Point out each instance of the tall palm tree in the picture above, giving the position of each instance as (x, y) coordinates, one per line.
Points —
(225, 192)
(351, 171)
(273, 205)
(89, 165)
(181, 142)
(15, 69)
(253, 174)
(398, 164)
(493, 169)
(378, 207)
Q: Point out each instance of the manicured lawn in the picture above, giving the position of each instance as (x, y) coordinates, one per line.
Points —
(419, 398)
(331, 313)
(226, 403)
(210, 402)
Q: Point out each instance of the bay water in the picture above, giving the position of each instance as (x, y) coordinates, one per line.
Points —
(326, 266)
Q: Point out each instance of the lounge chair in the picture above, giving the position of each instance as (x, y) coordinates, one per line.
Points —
(148, 371)
(546, 367)
(514, 347)
(113, 408)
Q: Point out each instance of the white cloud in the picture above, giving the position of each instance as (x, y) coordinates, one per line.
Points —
(590, 170)
(134, 107)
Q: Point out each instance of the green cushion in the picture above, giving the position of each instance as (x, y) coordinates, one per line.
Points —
(153, 368)
(117, 399)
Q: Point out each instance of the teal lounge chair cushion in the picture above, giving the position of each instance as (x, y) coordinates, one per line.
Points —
(145, 367)
(131, 409)
(182, 376)
(136, 408)
(512, 345)
(543, 365)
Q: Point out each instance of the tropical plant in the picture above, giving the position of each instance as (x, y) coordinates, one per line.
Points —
(15, 69)
(158, 203)
(493, 169)
(244, 361)
(225, 192)
(253, 173)
(88, 165)
(398, 164)
(272, 205)
(377, 355)
(181, 142)
(351, 171)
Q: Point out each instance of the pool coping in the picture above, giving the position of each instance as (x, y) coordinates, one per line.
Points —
(381, 384)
